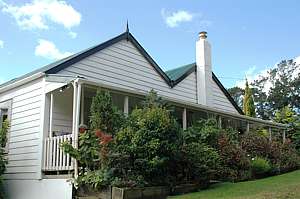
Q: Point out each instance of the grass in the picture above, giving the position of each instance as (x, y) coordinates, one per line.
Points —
(286, 186)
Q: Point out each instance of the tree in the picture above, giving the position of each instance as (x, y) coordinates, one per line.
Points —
(280, 87)
(237, 94)
(287, 116)
(249, 108)
(104, 115)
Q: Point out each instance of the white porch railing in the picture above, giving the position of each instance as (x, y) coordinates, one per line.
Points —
(55, 159)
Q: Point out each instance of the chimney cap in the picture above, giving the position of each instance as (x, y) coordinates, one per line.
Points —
(203, 35)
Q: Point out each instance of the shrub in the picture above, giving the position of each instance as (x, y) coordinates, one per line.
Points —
(94, 145)
(234, 161)
(289, 158)
(201, 161)
(96, 179)
(150, 140)
(260, 167)
(203, 131)
(256, 145)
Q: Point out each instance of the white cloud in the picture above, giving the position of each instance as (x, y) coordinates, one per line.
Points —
(1, 44)
(252, 74)
(173, 19)
(47, 49)
(73, 35)
(38, 13)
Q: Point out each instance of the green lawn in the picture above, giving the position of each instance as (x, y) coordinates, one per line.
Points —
(286, 186)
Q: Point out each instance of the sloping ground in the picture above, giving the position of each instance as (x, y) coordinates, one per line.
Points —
(286, 186)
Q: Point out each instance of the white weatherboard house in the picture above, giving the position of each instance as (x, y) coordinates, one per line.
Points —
(46, 106)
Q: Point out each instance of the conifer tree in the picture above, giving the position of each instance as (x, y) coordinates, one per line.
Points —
(248, 106)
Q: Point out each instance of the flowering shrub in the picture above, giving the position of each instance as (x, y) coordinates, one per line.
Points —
(94, 145)
(235, 163)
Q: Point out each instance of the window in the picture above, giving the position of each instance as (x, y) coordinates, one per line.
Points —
(194, 116)
(5, 112)
(3, 116)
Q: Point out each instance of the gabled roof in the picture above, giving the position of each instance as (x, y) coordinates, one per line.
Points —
(171, 77)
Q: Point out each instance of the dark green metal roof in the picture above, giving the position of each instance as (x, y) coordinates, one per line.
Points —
(177, 73)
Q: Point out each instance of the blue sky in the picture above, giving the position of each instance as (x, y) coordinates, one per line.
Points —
(246, 36)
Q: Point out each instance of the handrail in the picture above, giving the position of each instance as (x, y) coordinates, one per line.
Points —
(55, 159)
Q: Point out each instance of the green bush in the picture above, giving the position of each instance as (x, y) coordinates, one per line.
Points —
(150, 140)
(203, 131)
(201, 162)
(260, 167)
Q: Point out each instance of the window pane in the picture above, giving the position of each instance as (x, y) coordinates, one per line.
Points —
(177, 113)
(118, 100)
(134, 102)
(194, 116)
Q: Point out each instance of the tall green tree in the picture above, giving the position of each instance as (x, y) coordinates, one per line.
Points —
(248, 106)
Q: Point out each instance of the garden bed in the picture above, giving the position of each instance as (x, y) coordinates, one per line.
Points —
(125, 193)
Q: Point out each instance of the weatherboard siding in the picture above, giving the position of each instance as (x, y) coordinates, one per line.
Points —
(123, 66)
(24, 135)
(220, 101)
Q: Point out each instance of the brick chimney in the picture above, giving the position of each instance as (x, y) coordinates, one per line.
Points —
(204, 70)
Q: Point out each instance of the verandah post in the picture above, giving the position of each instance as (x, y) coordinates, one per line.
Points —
(78, 99)
(51, 115)
(220, 122)
(248, 127)
(126, 105)
(284, 136)
(270, 134)
(75, 87)
(184, 122)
